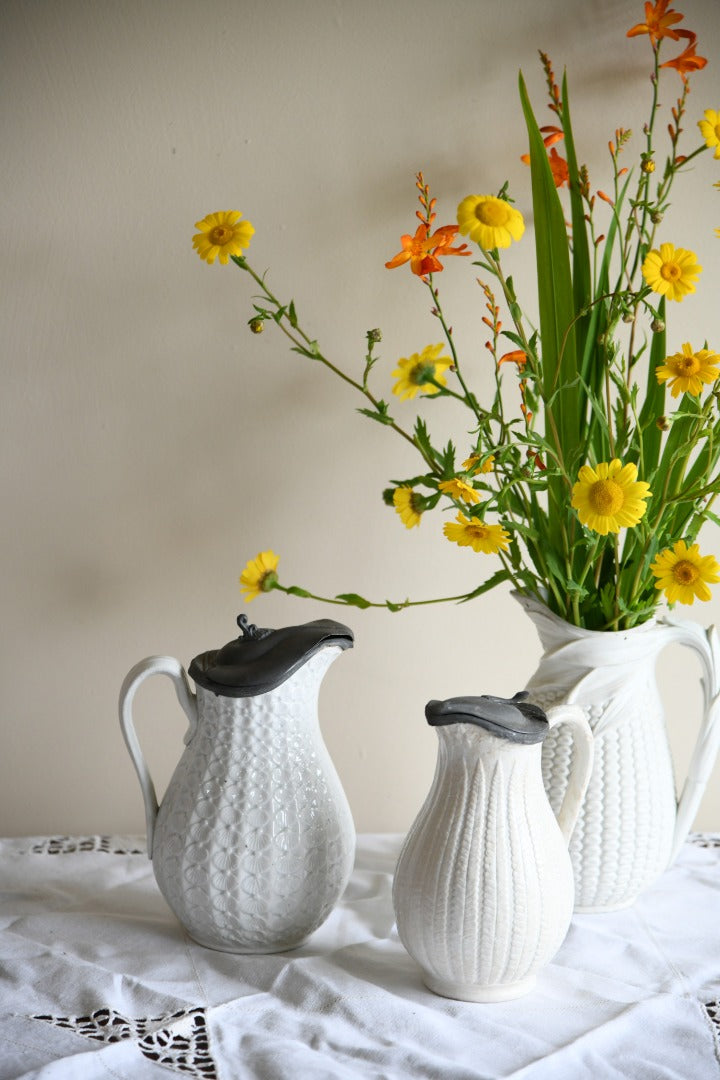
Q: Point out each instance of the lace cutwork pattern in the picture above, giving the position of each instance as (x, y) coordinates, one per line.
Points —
(706, 840)
(71, 845)
(712, 1008)
(179, 1041)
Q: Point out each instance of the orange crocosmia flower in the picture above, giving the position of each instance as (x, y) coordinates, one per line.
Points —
(687, 61)
(658, 22)
(422, 251)
(444, 237)
(559, 168)
(553, 134)
(517, 356)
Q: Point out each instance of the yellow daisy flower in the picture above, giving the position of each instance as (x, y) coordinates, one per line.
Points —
(469, 532)
(710, 130)
(686, 371)
(221, 235)
(671, 271)
(683, 573)
(407, 505)
(490, 222)
(609, 496)
(458, 489)
(471, 464)
(414, 372)
(260, 575)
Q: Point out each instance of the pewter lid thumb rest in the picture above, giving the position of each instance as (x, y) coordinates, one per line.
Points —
(261, 659)
(515, 719)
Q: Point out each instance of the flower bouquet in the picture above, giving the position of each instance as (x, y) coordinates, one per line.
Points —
(590, 473)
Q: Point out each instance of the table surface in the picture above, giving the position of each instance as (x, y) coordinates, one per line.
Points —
(98, 980)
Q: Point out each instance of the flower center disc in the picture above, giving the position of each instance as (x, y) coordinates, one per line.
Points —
(670, 271)
(685, 573)
(491, 213)
(220, 235)
(717, 131)
(688, 365)
(606, 497)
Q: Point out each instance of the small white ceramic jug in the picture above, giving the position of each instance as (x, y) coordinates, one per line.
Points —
(483, 889)
(254, 842)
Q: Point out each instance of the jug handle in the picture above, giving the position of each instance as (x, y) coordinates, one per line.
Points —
(153, 665)
(705, 644)
(582, 763)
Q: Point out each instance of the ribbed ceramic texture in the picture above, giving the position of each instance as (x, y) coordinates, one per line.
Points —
(254, 840)
(624, 834)
(483, 889)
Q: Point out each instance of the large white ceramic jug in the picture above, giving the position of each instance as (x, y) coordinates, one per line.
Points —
(483, 889)
(631, 825)
(254, 841)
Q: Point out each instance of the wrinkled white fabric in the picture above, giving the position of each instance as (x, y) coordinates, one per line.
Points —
(99, 981)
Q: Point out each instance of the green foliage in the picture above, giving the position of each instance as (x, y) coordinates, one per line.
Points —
(580, 388)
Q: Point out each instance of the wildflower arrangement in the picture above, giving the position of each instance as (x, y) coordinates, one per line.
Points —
(584, 482)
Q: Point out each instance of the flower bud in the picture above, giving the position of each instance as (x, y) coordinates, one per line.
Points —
(257, 325)
(388, 495)
(657, 326)
(656, 217)
(662, 423)
(374, 336)
(647, 165)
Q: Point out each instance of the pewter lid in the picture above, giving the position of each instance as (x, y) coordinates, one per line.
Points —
(261, 659)
(513, 718)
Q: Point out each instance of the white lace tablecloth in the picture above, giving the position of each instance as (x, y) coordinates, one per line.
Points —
(98, 980)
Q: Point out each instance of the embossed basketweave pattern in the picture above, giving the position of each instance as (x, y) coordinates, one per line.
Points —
(622, 839)
(254, 841)
(624, 833)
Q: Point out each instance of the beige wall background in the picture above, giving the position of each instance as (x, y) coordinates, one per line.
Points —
(151, 444)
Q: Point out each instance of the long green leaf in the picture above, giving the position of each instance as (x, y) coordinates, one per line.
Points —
(556, 307)
(593, 362)
(497, 578)
(582, 273)
(650, 435)
(555, 289)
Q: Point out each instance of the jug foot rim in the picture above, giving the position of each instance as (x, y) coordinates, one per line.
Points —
(461, 991)
(250, 950)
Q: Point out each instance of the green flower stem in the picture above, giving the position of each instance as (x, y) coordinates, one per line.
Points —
(309, 348)
(469, 398)
(510, 571)
(616, 556)
(677, 495)
(296, 590)
(592, 560)
(493, 264)
(639, 569)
